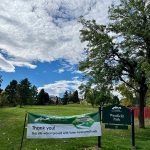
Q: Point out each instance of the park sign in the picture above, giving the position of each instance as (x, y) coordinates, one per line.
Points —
(116, 115)
(43, 126)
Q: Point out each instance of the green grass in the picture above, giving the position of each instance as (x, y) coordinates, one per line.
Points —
(11, 126)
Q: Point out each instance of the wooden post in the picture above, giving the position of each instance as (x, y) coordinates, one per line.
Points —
(23, 130)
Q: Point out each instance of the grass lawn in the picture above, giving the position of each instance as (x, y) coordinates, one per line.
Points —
(11, 126)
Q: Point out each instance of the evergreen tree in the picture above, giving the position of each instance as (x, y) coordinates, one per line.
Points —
(34, 95)
(70, 95)
(56, 100)
(47, 99)
(75, 97)
(11, 92)
(43, 97)
(65, 98)
(120, 50)
(24, 92)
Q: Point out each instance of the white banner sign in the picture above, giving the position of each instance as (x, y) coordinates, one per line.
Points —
(42, 126)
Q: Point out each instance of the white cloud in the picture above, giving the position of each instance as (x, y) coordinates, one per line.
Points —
(45, 30)
(23, 64)
(59, 87)
(61, 70)
(5, 65)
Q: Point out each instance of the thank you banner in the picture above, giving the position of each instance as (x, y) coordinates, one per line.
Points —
(43, 126)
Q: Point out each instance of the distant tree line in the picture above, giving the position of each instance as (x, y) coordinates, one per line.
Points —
(24, 93)
(70, 97)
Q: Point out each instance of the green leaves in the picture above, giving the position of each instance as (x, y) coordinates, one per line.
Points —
(115, 51)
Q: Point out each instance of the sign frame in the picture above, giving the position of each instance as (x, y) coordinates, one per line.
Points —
(116, 114)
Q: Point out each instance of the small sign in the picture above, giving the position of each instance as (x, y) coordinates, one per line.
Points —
(116, 126)
(116, 114)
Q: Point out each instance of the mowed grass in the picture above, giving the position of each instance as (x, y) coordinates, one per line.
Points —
(11, 126)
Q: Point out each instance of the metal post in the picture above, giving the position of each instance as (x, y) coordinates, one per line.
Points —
(23, 131)
(99, 137)
(133, 131)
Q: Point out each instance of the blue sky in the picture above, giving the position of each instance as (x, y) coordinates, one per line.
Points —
(40, 40)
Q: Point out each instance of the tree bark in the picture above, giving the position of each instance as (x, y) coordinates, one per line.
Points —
(142, 95)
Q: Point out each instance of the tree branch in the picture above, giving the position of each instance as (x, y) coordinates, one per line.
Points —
(129, 84)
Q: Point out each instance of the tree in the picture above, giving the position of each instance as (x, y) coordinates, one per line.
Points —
(75, 97)
(120, 51)
(43, 97)
(34, 95)
(96, 97)
(103, 97)
(90, 97)
(130, 98)
(65, 98)
(11, 92)
(70, 95)
(115, 100)
(3, 99)
(56, 100)
(24, 92)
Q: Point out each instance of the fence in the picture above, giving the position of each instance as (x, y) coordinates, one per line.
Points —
(146, 112)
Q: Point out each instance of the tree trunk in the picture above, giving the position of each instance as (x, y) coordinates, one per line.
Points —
(142, 95)
(141, 112)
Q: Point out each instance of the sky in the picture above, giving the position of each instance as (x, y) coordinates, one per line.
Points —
(40, 40)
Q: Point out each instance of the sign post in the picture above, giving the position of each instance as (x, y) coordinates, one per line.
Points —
(99, 137)
(23, 130)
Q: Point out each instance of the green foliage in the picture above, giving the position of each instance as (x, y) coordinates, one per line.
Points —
(34, 95)
(24, 92)
(3, 99)
(90, 97)
(75, 97)
(119, 50)
(98, 97)
(71, 97)
(65, 98)
(115, 100)
(130, 97)
(43, 98)
(127, 93)
(148, 98)
(11, 92)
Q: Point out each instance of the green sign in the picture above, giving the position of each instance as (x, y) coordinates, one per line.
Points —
(116, 126)
(116, 114)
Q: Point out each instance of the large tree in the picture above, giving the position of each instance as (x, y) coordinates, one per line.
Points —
(11, 92)
(120, 51)
(75, 97)
(24, 92)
